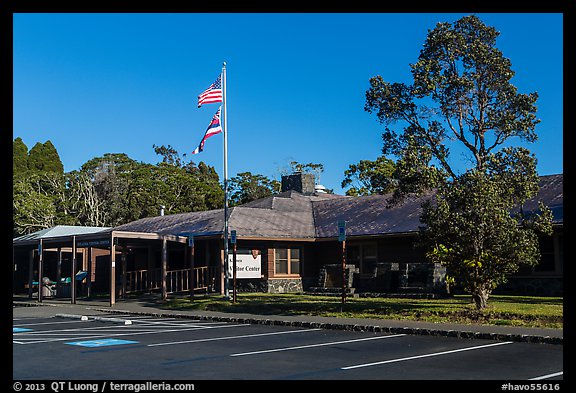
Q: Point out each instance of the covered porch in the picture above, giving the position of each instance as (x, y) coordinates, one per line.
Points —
(74, 262)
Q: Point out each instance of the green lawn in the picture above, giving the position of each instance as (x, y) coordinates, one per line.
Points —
(502, 310)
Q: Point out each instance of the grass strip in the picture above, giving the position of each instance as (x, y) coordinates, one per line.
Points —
(542, 312)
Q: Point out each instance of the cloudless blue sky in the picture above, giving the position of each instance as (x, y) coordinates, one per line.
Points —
(96, 83)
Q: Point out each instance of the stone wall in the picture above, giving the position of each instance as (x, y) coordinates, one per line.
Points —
(284, 285)
(272, 285)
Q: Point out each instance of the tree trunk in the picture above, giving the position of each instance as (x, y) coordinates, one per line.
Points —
(480, 298)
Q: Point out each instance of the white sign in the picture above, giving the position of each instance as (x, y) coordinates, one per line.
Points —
(247, 266)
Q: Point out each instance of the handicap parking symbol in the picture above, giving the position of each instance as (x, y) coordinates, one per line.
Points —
(101, 343)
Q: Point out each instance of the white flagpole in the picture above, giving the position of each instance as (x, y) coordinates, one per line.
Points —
(225, 134)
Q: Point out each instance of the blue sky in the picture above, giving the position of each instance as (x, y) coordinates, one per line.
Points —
(97, 83)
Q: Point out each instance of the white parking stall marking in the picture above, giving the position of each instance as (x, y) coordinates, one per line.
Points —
(172, 324)
(129, 333)
(547, 376)
(425, 356)
(84, 329)
(232, 337)
(316, 345)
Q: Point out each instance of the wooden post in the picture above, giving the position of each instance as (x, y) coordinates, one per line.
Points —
(150, 278)
(343, 271)
(73, 274)
(192, 271)
(234, 273)
(342, 238)
(112, 270)
(59, 272)
(89, 276)
(40, 266)
(123, 261)
(30, 273)
(164, 257)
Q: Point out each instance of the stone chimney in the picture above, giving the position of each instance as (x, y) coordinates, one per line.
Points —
(298, 181)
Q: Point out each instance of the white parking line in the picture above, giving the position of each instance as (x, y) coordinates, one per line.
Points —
(315, 345)
(117, 327)
(47, 323)
(232, 337)
(424, 356)
(547, 376)
(131, 333)
(59, 331)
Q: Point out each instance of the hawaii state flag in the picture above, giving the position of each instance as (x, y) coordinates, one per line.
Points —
(213, 129)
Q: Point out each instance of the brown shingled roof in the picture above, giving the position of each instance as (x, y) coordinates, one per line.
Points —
(297, 216)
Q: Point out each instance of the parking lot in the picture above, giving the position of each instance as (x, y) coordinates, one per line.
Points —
(54, 346)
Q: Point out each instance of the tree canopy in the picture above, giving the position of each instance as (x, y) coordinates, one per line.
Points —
(43, 157)
(462, 98)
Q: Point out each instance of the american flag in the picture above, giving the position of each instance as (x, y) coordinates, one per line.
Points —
(213, 129)
(212, 94)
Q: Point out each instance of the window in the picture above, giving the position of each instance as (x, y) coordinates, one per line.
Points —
(287, 261)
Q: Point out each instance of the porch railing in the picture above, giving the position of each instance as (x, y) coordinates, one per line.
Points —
(176, 280)
(143, 280)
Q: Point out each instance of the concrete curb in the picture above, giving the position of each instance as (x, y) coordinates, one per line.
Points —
(357, 327)
(462, 334)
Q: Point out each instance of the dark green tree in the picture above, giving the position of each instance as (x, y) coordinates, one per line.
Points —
(370, 177)
(19, 157)
(462, 97)
(43, 157)
(246, 187)
(39, 188)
